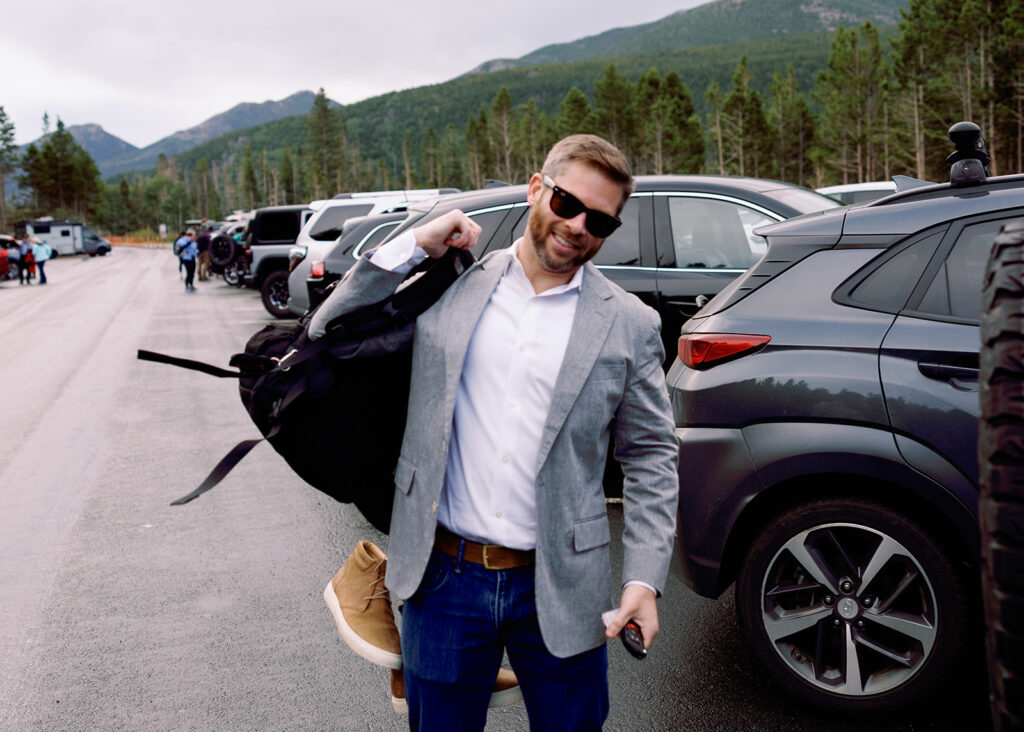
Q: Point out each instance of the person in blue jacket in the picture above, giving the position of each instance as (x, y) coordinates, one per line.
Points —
(42, 254)
(187, 254)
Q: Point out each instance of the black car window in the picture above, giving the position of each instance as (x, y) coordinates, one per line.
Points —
(489, 222)
(712, 234)
(279, 226)
(328, 226)
(622, 248)
(377, 236)
(890, 284)
(956, 289)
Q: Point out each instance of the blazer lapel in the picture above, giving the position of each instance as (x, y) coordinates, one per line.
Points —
(590, 327)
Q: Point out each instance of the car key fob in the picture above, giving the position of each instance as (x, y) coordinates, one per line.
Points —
(633, 640)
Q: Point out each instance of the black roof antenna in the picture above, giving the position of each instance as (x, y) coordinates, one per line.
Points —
(969, 160)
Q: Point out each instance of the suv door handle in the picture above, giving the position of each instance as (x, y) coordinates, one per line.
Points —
(959, 377)
(688, 305)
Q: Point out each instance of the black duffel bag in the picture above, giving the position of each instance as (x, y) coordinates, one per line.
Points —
(335, 408)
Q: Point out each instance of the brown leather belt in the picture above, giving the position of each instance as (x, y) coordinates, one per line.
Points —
(491, 556)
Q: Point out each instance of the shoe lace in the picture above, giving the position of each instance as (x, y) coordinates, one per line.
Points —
(377, 589)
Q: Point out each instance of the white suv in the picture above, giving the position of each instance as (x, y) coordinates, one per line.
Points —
(323, 229)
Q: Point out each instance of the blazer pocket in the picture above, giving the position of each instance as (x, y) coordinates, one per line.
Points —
(591, 533)
(404, 473)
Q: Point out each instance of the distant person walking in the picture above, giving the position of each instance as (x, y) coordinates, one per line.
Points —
(24, 250)
(41, 252)
(179, 244)
(203, 245)
(187, 256)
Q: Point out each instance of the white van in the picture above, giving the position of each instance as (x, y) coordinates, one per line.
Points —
(64, 237)
(323, 229)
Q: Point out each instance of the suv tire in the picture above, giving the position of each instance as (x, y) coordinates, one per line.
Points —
(274, 292)
(222, 250)
(805, 623)
(1001, 460)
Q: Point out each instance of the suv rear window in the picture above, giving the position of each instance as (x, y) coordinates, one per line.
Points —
(328, 225)
(278, 226)
(888, 287)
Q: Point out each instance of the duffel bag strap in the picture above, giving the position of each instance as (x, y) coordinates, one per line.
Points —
(187, 363)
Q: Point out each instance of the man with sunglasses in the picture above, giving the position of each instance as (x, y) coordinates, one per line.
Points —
(522, 372)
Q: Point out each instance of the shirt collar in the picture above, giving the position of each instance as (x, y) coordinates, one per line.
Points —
(513, 264)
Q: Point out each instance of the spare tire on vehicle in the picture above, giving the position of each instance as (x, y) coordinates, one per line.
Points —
(223, 250)
(1001, 461)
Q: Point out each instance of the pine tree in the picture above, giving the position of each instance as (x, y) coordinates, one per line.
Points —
(745, 138)
(287, 174)
(503, 121)
(849, 91)
(8, 161)
(530, 140)
(793, 123)
(615, 116)
(430, 159)
(324, 139)
(247, 180)
(713, 99)
(574, 114)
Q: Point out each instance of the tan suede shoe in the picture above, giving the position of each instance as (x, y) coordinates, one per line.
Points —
(361, 606)
(506, 691)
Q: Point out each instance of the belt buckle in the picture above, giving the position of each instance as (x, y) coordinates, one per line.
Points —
(487, 564)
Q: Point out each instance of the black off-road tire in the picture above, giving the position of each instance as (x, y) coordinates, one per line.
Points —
(223, 250)
(1001, 461)
(801, 628)
(274, 292)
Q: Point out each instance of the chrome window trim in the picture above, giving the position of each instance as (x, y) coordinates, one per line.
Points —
(721, 197)
(359, 247)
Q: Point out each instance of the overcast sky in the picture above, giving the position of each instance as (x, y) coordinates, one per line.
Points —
(144, 70)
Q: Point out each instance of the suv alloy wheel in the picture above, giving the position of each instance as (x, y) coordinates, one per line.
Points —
(274, 292)
(852, 604)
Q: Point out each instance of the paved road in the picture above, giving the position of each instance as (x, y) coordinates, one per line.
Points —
(119, 611)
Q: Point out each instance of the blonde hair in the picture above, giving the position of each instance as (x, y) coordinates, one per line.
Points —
(594, 151)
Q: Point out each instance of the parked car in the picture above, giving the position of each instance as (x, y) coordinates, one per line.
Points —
(5, 265)
(826, 404)
(683, 238)
(270, 235)
(324, 227)
(358, 235)
(848, 193)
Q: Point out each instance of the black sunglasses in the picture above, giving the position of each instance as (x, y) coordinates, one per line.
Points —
(567, 206)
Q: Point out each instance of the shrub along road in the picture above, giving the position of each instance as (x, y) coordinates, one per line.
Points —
(119, 611)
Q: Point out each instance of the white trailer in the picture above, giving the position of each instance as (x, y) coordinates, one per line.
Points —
(64, 237)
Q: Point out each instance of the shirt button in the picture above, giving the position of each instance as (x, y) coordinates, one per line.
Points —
(498, 514)
(512, 402)
(504, 458)
(522, 348)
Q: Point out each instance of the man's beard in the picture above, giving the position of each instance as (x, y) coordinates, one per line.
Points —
(538, 235)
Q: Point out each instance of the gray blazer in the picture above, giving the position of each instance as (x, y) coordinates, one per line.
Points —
(611, 383)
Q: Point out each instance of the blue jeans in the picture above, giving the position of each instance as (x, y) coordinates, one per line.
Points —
(455, 630)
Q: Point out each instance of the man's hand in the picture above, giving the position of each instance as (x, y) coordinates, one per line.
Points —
(639, 604)
(454, 229)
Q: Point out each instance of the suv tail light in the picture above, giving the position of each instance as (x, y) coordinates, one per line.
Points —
(317, 270)
(704, 350)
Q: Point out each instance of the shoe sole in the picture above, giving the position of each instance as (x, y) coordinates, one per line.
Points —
(503, 698)
(370, 652)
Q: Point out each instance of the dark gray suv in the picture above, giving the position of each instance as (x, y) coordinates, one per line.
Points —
(826, 404)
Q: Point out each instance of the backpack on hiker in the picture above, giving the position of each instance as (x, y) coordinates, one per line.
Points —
(335, 408)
